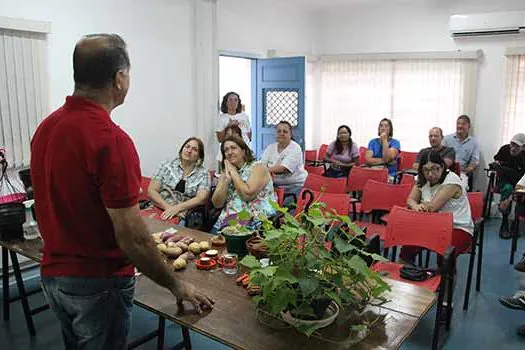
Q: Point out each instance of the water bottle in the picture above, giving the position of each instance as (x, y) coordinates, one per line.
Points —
(30, 227)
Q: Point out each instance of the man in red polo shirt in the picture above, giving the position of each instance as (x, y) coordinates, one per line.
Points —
(86, 179)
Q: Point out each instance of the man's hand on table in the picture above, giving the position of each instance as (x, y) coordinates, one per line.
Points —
(186, 291)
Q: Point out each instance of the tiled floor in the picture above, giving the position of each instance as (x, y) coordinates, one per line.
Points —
(487, 324)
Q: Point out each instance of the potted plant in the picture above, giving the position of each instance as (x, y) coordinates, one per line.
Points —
(319, 263)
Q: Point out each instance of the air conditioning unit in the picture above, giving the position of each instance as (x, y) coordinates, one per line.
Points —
(480, 24)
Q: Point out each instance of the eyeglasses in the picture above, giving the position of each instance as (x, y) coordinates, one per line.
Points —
(431, 169)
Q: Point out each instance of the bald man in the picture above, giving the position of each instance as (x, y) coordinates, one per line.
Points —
(86, 180)
(435, 138)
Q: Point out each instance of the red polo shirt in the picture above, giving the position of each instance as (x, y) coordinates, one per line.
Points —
(81, 164)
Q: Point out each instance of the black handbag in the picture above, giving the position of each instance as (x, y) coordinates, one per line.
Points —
(415, 273)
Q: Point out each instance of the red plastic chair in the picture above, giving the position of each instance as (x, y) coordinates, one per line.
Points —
(334, 201)
(279, 192)
(407, 160)
(314, 169)
(358, 177)
(144, 184)
(408, 179)
(310, 156)
(405, 228)
(325, 184)
(362, 155)
(456, 167)
(380, 197)
(476, 201)
(322, 152)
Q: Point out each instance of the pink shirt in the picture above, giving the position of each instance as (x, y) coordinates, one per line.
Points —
(345, 157)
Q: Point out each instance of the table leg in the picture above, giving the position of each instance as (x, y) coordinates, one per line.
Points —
(161, 331)
(22, 293)
(186, 338)
(5, 283)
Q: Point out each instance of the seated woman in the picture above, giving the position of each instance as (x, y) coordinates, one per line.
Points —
(228, 131)
(285, 160)
(440, 190)
(182, 183)
(342, 154)
(244, 184)
(384, 150)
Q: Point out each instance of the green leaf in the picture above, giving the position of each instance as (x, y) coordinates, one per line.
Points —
(250, 262)
(304, 310)
(334, 297)
(244, 215)
(268, 271)
(341, 245)
(283, 297)
(308, 285)
(283, 275)
(273, 234)
(358, 264)
(307, 330)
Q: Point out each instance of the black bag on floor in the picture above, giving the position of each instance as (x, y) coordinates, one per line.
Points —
(415, 273)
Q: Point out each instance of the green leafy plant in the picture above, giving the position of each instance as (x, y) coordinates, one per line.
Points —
(315, 257)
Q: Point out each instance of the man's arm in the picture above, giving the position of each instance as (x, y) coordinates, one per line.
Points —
(134, 240)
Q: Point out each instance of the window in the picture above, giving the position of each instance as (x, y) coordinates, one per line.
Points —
(416, 94)
(514, 117)
(23, 90)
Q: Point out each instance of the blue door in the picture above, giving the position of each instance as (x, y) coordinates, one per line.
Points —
(278, 95)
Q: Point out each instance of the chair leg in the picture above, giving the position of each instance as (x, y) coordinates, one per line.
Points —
(427, 260)
(470, 270)
(437, 323)
(450, 294)
(480, 255)
(515, 234)
(186, 338)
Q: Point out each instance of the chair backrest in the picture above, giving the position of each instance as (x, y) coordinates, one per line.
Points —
(383, 196)
(428, 230)
(362, 155)
(322, 151)
(318, 170)
(358, 177)
(337, 201)
(407, 160)
(144, 184)
(408, 179)
(476, 201)
(310, 155)
(279, 193)
(456, 167)
(325, 184)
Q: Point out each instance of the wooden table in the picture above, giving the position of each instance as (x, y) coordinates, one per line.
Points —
(233, 320)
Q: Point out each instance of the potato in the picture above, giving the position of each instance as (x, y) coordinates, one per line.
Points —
(187, 240)
(188, 256)
(161, 246)
(179, 264)
(194, 248)
(182, 246)
(204, 245)
(173, 252)
(157, 240)
(174, 238)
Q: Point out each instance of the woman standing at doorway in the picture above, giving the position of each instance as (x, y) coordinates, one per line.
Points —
(232, 114)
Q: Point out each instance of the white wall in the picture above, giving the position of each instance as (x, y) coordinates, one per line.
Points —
(253, 26)
(158, 112)
(415, 26)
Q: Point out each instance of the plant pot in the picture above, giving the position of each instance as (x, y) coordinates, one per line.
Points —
(328, 318)
(236, 243)
(256, 248)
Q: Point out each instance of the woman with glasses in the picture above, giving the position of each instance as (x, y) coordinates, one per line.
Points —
(182, 183)
(440, 190)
